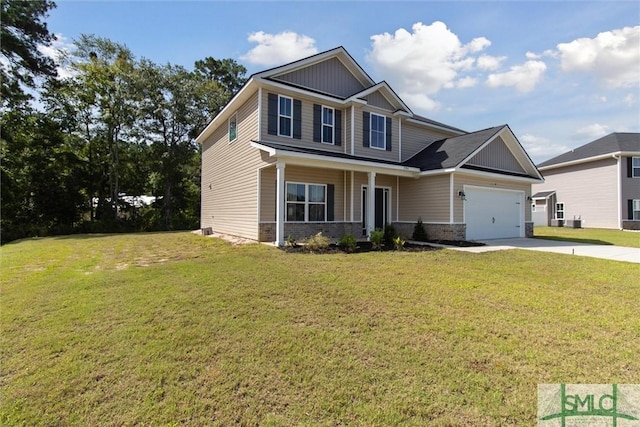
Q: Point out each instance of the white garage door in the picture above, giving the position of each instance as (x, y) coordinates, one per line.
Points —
(493, 214)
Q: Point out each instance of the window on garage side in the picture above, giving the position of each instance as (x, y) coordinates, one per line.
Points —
(559, 210)
(233, 127)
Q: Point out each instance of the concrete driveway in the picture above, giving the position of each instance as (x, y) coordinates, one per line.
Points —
(615, 253)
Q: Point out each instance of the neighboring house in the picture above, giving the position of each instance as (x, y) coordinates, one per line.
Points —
(597, 183)
(317, 145)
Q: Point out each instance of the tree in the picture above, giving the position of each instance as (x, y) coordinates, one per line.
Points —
(226, 72)
(22, 30)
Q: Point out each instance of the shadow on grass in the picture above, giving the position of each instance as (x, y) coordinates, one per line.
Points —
(575, 240)
(86, 236)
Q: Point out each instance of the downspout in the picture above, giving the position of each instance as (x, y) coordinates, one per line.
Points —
(353, 129)
(259, 114)
(400, 139)
(451, 198)
(619, 183)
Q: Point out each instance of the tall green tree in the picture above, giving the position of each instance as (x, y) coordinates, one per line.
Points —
(23, 29)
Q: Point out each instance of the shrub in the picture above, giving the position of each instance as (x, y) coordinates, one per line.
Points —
(377, 239)
(389, 234)
(419, 233)
(317, 243)
(290, 242)
(398, 243)
(348, 243)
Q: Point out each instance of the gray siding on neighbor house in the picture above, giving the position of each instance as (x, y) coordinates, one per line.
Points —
(461, 179)
(229, 177)
(588, 190)
(426, 198)
(329, 76)
(629, 189)
(496, 155)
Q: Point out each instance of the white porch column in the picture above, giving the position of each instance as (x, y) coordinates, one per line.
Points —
(371, 203)
(280, 208)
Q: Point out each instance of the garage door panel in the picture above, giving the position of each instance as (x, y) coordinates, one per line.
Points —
(492, 213)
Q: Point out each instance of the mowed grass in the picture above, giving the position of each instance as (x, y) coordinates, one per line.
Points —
(177, 329)
(598, 236)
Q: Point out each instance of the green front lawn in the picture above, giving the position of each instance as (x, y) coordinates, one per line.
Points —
(172, 329)
(598, 236)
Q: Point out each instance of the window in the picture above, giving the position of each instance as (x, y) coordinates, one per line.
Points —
(636, 209)
(559, 210)
(635, 167)
(378, 135)
(285, 116)
(327, 125)
(233, 127)
(306, 202)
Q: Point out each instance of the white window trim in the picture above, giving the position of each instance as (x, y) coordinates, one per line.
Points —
(332, 125)
(234, 117)
(635, 206)
(384, 131)
(560, 210)
(635, 168)
(288, 117)
(306, 201)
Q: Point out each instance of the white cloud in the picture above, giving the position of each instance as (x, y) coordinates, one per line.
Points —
(541, 148)
(613, 56)
(531, 55)
(490, 63)
(523, 77)
(630, 100)
(276, 49)
(593, 131)
(421, 62)
(59, 49)
(466, 82)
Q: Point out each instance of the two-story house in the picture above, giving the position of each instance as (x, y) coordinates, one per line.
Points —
(597, 184)
(317, 145)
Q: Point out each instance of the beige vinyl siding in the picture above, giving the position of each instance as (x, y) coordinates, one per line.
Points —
(301, 175)
(378, 100)
(416, 138)
(629, 190)
(588, 190)
(426, 198)
(329, 76)
(496, 155)
(361, 180)
(460, 180)
(229, 176)
(307, 123)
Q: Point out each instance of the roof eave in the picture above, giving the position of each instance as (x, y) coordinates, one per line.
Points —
(590, 159)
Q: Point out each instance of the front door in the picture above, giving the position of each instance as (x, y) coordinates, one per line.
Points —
(381, 211)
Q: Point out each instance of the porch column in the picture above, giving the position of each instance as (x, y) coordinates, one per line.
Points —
(371, 204)
(280, 208)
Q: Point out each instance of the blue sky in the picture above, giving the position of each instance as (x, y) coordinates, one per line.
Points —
(559, 73)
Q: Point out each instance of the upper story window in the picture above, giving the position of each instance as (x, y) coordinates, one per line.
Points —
(559, 210)
(635, 167)
(285, 116)
(233, 127)
(327, 125)
(635, 207)
(378, 132)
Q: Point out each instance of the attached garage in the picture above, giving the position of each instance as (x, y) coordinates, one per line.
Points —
(492, 213)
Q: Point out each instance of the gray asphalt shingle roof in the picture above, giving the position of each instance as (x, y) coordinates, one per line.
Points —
(612, 143)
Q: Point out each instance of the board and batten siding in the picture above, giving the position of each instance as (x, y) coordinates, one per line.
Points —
(229, 176)
(588, 190)
(302, 175)
(426, 198)
(329, 76)
(460, 180)
(497, 155)
(378, 100)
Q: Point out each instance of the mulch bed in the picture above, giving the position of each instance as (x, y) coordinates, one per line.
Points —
(368, 247)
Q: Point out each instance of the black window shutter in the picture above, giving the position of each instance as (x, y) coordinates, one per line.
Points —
(365, 128)
(317, 123)
(629, 167)
(338, 127)
(630, 208)
(388, 131)
(330, 203)
(297, 119)
(272, 114)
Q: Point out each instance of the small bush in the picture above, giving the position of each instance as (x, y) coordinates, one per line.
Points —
(290, 242)
(317, 243)
(398, 243)
(377, 239)
(419, 233)
(348, 243)
(389, 234)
